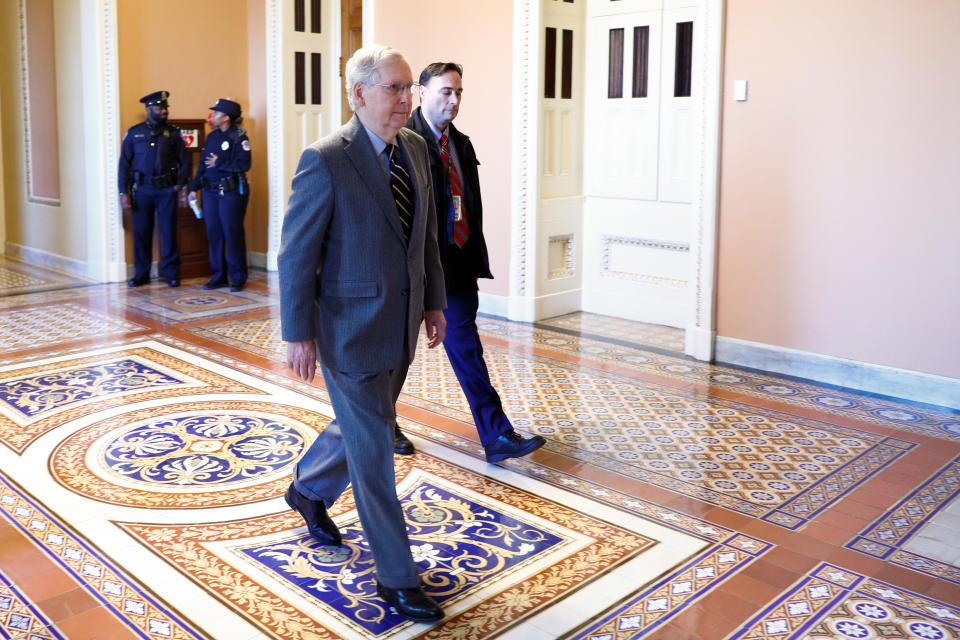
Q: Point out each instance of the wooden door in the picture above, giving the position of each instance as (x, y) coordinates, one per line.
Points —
(192, 232)
(351, 39)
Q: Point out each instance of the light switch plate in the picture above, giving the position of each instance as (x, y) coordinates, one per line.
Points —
(740, 90)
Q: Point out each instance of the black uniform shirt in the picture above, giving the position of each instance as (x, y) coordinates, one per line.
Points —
(153, 152)
(233, 156)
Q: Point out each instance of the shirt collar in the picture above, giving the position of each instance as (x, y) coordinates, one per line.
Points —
(436, 132)
(378, 143)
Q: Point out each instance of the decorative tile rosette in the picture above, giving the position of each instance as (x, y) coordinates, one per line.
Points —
(35, 399)
(188, 455)
(491, 555)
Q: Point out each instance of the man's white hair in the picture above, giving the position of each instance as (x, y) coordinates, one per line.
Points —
(363, 67)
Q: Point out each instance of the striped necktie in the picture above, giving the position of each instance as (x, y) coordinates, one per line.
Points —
(402, 193)
(461, 230)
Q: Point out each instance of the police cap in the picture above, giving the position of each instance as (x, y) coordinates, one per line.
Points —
(158, 98)
(228, 107)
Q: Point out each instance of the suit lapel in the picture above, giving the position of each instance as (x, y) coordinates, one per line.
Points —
(360, 151)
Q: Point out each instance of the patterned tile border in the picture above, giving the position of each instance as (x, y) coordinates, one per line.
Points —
(654, 606)
(123, 378)
(20, 618)
(940, 423)
(128, 600)
(831, 603)
(217, 555)
(886, 537)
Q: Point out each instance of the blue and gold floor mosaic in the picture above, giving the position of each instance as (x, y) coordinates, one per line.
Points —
(148, 436)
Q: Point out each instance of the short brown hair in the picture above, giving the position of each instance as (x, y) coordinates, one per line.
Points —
(435, 69)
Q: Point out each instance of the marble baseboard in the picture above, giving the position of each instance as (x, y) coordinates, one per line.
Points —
(862, 376)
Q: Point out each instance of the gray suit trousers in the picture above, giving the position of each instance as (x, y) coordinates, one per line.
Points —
(357, 448)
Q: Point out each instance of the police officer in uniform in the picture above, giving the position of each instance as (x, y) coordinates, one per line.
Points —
(222, 174)
(154, 163)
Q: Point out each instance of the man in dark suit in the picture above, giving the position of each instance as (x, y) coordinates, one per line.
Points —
(359, 271)
(463, 253)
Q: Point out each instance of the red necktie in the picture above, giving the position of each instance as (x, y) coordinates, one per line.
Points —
(461, 231)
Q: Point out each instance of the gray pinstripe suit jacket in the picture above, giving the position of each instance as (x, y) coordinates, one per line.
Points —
(348, 280)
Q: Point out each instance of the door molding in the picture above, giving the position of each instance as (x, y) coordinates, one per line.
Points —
(276, 156)
(101, 104)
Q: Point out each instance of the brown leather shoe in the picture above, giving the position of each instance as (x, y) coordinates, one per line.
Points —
(315, 515)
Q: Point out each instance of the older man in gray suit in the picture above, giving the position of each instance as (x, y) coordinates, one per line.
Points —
(359, 270)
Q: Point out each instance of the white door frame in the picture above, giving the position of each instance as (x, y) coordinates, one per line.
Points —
(525, 192)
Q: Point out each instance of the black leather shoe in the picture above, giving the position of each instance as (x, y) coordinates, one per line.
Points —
(512, 445)
(138, 282)
(214, 284)
(412, 604)
(315, 515)
(173, 282)
(238, 287)
(401, 443)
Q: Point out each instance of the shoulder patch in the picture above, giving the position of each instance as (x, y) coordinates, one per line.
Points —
(245, 145)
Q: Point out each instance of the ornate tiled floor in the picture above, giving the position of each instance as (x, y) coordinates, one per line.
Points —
(146, 438)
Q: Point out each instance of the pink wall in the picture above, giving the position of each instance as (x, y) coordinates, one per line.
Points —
(478, 36)
(42, 78)
(840, 204)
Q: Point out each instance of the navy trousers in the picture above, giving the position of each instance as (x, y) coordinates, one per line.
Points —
(465, 352)
(162, 202)
(225, 236)
(357, 449)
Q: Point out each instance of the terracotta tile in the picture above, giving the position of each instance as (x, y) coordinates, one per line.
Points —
(877, 499)
(706, 622)
(92, 624)
(944, 592)
(794, 561)
(67, 605)
(854, 507)
(674, 632)
(771, 574)
(811, 546)
(726, 518)
(750, 589)
(826, 533)
(856, 561)
(905, 578)
(843, 521)
(47, 584)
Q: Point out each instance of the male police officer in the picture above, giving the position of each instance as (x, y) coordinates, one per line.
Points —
(154, 163)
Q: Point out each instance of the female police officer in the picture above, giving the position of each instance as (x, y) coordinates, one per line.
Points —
(222, 174)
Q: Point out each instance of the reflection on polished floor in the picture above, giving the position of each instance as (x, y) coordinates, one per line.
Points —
(146, 438)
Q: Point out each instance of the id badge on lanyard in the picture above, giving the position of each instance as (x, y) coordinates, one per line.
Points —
(457, 209)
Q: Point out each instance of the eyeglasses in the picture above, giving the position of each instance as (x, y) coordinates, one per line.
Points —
(395, 89)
